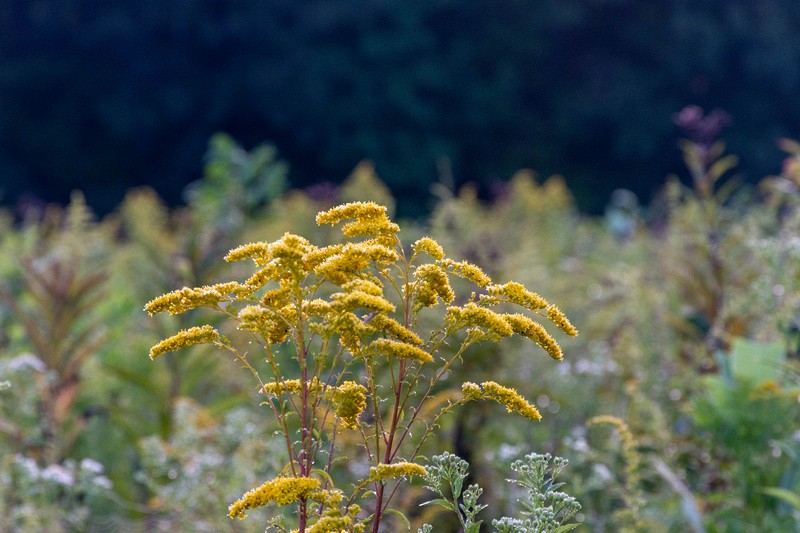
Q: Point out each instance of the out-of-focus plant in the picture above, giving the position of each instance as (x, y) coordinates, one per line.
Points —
(704, 254)
(325, 319)
(747, 419)
(545, 509)
(236, 184)
(52, 297)
(205, 461)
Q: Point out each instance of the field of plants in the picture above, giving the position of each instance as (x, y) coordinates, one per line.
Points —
(353, 371)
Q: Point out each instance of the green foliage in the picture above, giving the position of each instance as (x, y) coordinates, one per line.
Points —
(545, 509)
(689, 337)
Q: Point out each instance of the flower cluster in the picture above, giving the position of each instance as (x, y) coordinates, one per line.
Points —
(349, 311)
(185, 338)
(282, 491)
(383, 471)
(510, 398)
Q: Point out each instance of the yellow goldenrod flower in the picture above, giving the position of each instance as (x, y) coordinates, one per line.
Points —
(511, 399)
(468, 271)
(560, 320)
(353, 258)
(383, 471)
(629, 444)
(290, 247)
(393, 328)
(328, 498)
(274, 326)
(432, 281)
(317, 307)
(517, 293)
(526, 327)
(471, 391)
(185, 338)
(292, 386)
(349, 400)
(430, 247)
(356, 210)
(370, 227)
(400, 350)
(363, 300)
(257, 251)
(352, 210)
(184, 299)
(263, 276)
(276, 297)
(281, 490)
(331, 524)
(364, 285)
(238, 290)
(473, 315)
(316, 256)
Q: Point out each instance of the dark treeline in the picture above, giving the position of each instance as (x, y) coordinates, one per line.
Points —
(105, 95)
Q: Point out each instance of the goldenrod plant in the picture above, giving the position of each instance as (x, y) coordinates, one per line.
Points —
(338, 349)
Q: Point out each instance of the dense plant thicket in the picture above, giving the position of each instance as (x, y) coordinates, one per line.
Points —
(677, 406)
(105, 96)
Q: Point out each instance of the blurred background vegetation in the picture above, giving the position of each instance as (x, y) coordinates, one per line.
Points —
(690, 333)
(102, 96)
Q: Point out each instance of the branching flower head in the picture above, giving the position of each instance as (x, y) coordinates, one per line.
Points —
(281, 490)
(369, 219)
(401, 469)
(472, 315)
(400, 350)
(510, 398)
(185, 338)
(349, 400)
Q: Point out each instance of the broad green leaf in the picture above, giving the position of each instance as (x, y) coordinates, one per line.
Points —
(441, 502)
(401, 515)
(566, 527)
(757, 361)
(788, 496)
(474, 528)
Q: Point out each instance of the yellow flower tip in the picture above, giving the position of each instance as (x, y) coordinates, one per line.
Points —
(349, 400)
(384, 471)
(468, 271)
(432, 282)
(471, 391)
(185, 338)
(352, 210)
(558, 318)
(472, 315)
(392, 328)
(331, 524)
(400, 350)
(184, 299)
(526, 327)
(256, 251)
(430, 247)
(511, 399)
(360, 299)
(281, 490)
(517, 293)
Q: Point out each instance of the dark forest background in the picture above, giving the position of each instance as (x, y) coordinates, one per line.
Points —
(105, 95)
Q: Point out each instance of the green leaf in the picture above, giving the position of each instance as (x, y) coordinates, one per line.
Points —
(325, 475)
(566, 527)
(757, 361)
(474, 528)
(788, 496)
(441, 502)
(401, 515)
